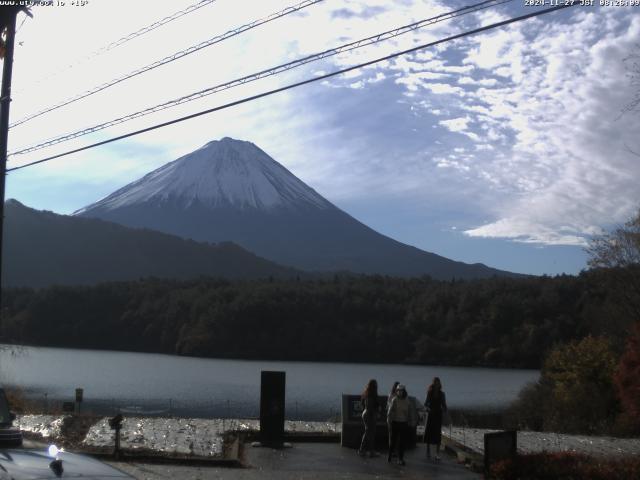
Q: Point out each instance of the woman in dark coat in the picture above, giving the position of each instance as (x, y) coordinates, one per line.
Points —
(369, 399)
(436, 405)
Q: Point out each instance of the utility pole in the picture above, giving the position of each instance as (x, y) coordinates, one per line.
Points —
(9, 16)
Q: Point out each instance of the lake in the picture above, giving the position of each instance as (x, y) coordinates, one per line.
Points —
(205, 387)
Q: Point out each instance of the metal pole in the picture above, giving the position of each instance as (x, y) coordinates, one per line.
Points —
(5, 100)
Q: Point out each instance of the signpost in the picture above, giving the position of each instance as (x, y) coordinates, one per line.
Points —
(79, 394)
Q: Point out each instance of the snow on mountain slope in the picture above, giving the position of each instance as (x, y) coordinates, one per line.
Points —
(221, 173)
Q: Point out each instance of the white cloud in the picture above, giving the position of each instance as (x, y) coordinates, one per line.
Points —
(483, 82)
(568, 159)
(484, 146)
(460, 125)
(544, 121)
(443, 89)
(456, 124)
(525, 231)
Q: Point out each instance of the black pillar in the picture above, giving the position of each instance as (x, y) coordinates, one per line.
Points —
(272, 395)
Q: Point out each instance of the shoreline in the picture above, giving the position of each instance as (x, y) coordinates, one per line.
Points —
(271, 360)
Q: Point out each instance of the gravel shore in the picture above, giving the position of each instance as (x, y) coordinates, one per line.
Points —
(533, 442)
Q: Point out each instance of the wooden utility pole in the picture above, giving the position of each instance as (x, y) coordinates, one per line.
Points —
(9, 15)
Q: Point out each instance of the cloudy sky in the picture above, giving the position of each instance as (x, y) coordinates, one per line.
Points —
(509, 148)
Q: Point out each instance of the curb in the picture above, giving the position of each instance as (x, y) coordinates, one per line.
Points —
(297, 437)
(474, 460)
(144, 457)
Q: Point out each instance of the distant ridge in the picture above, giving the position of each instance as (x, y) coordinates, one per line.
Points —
(42, 249)
(230, 190)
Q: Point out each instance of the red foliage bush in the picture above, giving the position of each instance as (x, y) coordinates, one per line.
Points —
(566, 466)
(627, 377)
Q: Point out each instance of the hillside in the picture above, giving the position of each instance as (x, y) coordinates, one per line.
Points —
(42, 248)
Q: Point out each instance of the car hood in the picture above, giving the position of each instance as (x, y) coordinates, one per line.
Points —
(34, 464)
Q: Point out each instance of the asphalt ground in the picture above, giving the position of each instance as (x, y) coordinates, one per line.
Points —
(308, 461)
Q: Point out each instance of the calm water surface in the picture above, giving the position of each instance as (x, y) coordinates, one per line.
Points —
(162, 384)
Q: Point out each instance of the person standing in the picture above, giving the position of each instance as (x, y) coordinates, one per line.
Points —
(436, 405)
(392, 394)
(369, 399)
(401, 414)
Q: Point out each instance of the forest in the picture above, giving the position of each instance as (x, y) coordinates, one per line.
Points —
(498, 322)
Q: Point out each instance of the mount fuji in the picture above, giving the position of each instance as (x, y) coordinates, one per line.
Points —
(230, 190)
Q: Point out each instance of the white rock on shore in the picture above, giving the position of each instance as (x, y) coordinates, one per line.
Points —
(182, 436)
(46, 426)
(186, 436)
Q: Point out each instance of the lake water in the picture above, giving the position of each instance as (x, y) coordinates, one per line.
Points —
(167, 384)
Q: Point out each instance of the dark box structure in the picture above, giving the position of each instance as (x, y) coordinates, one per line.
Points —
(272, 397)
(499, 446)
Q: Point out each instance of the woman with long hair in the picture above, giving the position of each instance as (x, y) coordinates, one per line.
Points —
(392, 394)
(369, 399)
(436, 405)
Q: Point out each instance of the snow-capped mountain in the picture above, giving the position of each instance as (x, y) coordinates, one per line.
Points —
(230, 190)
(225, 173)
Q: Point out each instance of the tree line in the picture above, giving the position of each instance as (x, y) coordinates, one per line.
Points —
(497, 322)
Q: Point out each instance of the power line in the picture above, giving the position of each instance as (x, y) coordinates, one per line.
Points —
(153, 26)
(138, 33)
(266, 73)
(299, 84)
(171, 58)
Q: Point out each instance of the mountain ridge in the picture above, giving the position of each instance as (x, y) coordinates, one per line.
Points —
(42, 248)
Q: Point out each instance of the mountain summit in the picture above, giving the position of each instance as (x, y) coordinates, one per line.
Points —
(222, 174)
(230, 190)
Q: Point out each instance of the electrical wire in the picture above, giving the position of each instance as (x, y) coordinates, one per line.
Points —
(171, 58)
(265, 73)
(127, 38)
(299, 84)
(153, 26)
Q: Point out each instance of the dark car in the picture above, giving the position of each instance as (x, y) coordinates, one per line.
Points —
(27, 464)
(9, 436)
(22, 464)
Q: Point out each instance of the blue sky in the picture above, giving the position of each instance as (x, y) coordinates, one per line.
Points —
(509, 148)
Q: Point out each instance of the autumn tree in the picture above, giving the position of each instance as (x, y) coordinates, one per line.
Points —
(578, 381)
(627, 379)
(619, 253)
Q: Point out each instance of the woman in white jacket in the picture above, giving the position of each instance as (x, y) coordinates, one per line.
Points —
(401, 414)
